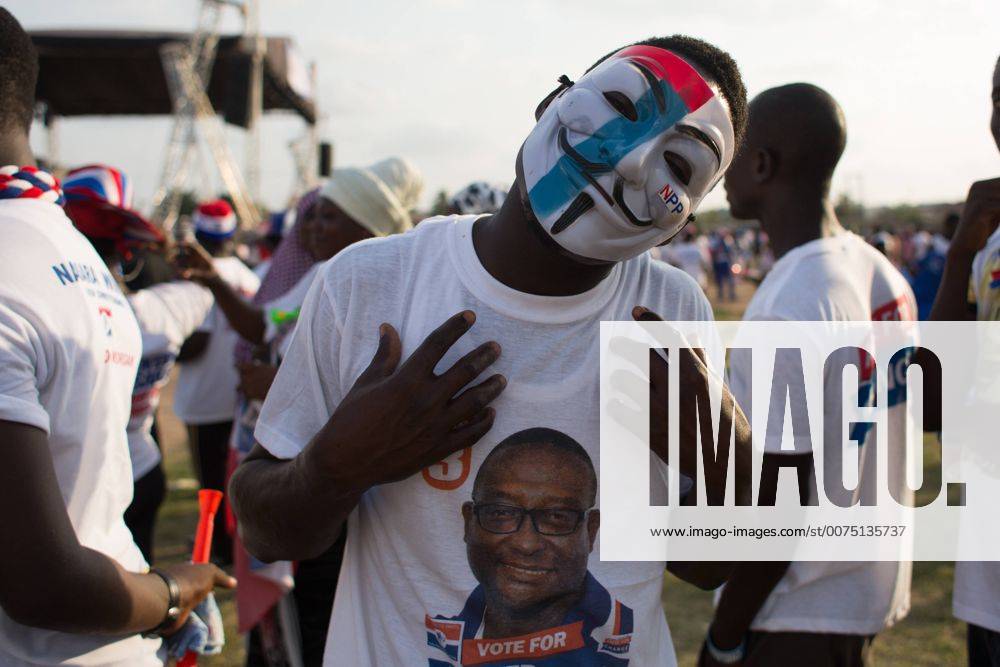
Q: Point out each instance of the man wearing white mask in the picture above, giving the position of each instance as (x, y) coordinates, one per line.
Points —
(389, 446)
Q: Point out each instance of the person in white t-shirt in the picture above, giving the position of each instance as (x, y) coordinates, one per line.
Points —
(975, 252)
(74, 588)
(813, 613)
(205, 396)
(98, 201)
(380, 415)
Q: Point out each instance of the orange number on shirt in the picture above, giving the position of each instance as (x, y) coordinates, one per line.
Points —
(451, 473)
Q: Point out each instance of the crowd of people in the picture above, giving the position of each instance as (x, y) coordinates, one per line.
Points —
(384, 399)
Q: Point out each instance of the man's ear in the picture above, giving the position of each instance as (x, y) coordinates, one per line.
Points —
(593, 524)
(468, 516)
(765, 165)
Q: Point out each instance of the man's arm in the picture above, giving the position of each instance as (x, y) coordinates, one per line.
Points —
(745, 593)
(979, 220)
(244, 317)
(752, 583)
(285, 510)
(395, 421)
(980, 216)
(194, 346)
(48, 579)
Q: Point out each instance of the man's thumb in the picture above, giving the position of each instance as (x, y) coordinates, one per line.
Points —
(387, 355)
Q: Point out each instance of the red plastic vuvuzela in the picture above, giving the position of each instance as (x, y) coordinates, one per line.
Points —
(208, 505)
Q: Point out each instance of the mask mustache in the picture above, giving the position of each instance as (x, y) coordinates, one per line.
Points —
(620, 200)
(583, 202)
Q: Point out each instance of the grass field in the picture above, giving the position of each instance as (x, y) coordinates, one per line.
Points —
(928, 637)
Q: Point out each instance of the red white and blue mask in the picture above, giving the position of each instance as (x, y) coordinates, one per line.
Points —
(619, 160)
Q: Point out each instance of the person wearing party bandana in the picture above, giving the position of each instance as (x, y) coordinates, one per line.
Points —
(386, 433)
(74, 587)
(99, 202)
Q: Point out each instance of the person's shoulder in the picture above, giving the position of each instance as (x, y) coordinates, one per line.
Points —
(383, 263)
(670, 286)
(26, 222)
(420, 242)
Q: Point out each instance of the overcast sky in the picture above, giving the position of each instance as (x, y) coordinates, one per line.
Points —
(452, 84)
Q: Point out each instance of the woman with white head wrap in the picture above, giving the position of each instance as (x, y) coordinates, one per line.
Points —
(356, 203)
(377, 198)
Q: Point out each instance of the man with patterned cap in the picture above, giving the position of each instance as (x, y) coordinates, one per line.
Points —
(478, 197)
(74, 588)
(98, 201)
(205, 397)
(383, 411)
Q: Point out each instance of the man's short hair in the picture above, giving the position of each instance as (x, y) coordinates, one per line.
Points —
(537, 438)
(18, 73)
(714, 62)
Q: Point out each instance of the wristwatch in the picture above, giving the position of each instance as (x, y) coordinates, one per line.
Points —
(173, 604)
(725, 656)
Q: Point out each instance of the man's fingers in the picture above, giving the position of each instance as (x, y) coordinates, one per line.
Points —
(469, 367)
(222, 580)
(633, 386)
(631, 350)
(643, 314)
(471, 431)
(658, 370)
(427, 356)
(386, 356)
(474, 400)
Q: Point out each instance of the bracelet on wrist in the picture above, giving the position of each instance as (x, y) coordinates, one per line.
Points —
(173, 602)
(725, 656)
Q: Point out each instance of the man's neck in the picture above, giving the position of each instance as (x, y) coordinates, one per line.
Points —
(15, 149)
(515, 251)
(499, 623)
(795, 218)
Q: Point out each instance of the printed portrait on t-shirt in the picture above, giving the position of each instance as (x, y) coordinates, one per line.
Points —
(529, 530)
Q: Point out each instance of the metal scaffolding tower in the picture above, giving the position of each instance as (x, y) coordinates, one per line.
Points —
(188, 67)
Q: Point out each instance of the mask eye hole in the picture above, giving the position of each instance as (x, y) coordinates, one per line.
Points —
(680, 167)
(622, 104)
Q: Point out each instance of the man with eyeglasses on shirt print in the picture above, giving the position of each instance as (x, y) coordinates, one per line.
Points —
(529, 531)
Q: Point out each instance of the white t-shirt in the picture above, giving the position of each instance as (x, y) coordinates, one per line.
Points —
(206, 386)
(405, 562)
(976, 597)
(167, 315)
(841, 278)
(69, 349)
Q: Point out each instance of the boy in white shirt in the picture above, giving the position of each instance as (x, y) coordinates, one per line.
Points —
(74, 588)
(98, 201)
(823, 614)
